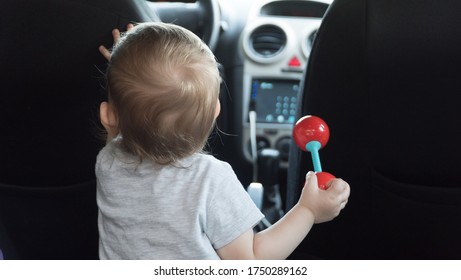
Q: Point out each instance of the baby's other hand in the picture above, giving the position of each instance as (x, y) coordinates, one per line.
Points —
(325, 205)
(116, 35)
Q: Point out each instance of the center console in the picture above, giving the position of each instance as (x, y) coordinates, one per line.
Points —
(274, 101)
(276, 47)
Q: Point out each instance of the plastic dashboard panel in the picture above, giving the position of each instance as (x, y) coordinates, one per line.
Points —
(276, 70)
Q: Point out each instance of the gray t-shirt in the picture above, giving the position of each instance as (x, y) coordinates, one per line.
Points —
(186, 211)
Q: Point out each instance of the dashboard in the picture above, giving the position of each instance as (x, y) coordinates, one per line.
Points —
(263, 47)
(275, 45)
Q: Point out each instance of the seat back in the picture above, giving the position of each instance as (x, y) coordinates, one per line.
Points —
(51, 87)
(384, 76)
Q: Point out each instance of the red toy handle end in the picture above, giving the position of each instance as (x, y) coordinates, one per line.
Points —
(323, 178)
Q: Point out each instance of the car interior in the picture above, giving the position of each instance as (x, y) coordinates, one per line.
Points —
(383, 74)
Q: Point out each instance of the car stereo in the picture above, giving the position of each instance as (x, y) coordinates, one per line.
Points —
(274, 100)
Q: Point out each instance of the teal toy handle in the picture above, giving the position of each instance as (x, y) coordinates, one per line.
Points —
(313, 147)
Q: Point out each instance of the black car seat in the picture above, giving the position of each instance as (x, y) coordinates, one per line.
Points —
(50, 90)
(385, 76)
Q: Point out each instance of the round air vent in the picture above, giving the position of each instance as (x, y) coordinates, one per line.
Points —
(311, 38)
(268, 40)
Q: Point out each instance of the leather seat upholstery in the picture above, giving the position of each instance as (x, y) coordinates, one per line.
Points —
(384, 75)
(51, 88)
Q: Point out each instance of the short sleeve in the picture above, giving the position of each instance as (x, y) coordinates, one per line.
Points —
(230, 210)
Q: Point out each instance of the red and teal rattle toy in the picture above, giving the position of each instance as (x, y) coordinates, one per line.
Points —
(311, 133)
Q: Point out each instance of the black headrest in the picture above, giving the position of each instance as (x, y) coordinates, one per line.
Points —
(51, 86)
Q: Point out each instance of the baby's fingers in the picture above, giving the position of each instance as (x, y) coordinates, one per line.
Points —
(105, 52)
(129, 26)
(341, 190)
(116, 35)
(338, 185)
(311, 179)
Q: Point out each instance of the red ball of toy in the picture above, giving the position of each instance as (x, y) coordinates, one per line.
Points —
(323, 178)
(310, 128)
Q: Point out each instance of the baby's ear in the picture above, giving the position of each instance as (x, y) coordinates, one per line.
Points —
(108, 119)
(218, 109)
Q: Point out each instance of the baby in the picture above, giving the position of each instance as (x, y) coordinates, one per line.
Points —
(159, 195)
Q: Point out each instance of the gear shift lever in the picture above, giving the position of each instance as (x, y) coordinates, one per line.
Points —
(268, 171)
(268, 166)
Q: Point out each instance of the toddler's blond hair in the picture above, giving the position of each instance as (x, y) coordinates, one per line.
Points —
(163, 83)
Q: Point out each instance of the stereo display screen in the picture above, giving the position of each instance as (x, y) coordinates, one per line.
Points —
(274, 100)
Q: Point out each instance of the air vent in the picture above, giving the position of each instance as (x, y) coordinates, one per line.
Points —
(268, 40)
(311, 38)
(308, 43)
